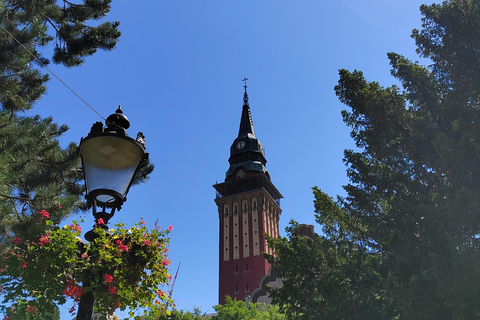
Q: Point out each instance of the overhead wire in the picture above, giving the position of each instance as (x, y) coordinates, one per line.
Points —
(58, 78)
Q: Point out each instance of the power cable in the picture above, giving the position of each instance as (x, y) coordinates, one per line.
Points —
(58, 78)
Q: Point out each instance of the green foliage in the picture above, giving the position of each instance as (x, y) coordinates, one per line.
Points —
(231, 310)
(35, 172)
(32, 310)
(405, 238)
(322, 278)
(124, 268)
(238, 310)
(77, 34)
(175, 314)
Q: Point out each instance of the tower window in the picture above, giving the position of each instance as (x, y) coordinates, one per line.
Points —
(246, 268)
(236, 270)
(241, 174)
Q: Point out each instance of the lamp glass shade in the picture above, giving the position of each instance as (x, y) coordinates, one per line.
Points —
(109, 163)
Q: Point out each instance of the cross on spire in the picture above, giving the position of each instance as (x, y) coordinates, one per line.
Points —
(245, 96)
(245, 81)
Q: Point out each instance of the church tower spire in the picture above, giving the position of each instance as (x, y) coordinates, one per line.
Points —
(246, 150)
(248, 207)
(246, 123)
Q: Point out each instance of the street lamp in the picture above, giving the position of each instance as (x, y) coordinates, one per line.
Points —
(110, 159)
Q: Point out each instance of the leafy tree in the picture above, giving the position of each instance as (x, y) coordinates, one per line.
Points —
(231, 310)
(325, 281)
(195, 314)
(412, 205)
(238, 310)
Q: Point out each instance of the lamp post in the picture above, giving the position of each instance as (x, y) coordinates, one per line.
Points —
(110, 159)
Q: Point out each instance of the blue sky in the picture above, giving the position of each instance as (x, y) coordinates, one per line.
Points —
(177, 72)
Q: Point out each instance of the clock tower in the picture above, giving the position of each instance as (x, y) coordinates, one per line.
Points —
(248, 207)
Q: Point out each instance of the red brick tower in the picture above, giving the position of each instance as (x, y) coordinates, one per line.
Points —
(248, 207)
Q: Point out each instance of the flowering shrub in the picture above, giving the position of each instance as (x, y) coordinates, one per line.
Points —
(124, 268)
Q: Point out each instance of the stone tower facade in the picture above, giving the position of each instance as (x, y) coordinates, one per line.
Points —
(248, 207)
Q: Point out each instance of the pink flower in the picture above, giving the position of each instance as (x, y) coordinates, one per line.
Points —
(143, 222)
(31, 309)
(44, 213)
(75, 227)
(108, 278)
(147, 242)
(100, 221)
(165, 251)
(123, 247)
(84, 255)
(44, 240)
(119, 304)
(170, 228)
(16, 240)
(24, 264)
(112, 290)
(166, 262)
(73, 291)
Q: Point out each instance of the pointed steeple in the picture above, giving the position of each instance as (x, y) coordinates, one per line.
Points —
(246, 123)
(246, 150)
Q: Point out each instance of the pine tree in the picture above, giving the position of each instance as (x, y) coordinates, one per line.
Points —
(412, 206)
(35, 172)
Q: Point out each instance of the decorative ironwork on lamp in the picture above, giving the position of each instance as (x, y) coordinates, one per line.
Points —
(110, 159)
